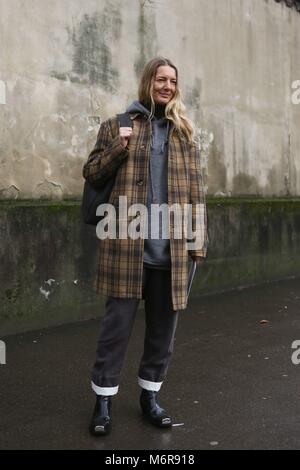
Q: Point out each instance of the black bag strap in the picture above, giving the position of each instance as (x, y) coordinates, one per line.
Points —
(125, 120)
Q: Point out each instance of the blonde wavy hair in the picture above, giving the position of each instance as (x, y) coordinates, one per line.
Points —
(175, 109)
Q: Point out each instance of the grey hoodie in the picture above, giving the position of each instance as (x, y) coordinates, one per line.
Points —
(156, 251)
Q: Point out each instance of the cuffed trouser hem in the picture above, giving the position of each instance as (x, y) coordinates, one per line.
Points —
(146, 384)
(106, 391)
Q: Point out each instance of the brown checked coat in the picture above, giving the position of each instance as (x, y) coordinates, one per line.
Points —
(120, 265)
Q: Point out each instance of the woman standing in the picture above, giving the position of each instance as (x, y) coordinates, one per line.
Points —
(157, 162)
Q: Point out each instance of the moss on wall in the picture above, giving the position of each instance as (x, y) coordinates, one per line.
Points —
(49, 256)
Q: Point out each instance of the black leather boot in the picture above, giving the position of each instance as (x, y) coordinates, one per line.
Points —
(153, 412)
(101, 420)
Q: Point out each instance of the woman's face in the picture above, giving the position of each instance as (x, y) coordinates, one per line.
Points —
(164, 84)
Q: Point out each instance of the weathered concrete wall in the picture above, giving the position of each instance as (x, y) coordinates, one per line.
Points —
(48, 256)
(65, 65)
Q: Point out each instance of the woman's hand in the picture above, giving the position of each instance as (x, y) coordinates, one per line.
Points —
(125, 134)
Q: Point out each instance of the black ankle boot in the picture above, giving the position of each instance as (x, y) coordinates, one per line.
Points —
(151, 409)
(101, 420)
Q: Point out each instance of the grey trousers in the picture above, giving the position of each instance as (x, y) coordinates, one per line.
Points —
(116, 327)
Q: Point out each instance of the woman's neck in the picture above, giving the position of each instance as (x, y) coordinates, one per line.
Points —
(159, 111)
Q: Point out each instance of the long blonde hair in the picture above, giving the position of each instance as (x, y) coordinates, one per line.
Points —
(175, 109)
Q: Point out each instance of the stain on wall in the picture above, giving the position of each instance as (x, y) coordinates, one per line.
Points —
(245, 184)
(193, 98)
(147, 38)
(92, 41)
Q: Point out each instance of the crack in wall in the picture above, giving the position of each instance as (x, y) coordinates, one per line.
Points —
(48, 189)
(11, 192)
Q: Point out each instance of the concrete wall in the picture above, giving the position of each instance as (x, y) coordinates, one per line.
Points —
(65, 65)
(48, 256)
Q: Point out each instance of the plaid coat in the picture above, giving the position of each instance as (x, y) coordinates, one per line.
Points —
(120, 264)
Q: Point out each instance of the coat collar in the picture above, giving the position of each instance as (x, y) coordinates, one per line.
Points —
(134, 116)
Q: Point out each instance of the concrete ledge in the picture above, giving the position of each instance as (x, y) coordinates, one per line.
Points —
(49, 257)
(252, 240)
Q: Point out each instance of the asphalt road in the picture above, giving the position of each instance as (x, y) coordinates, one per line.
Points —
(231, 383)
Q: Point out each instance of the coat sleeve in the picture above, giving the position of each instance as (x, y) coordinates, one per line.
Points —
(198, 202)
(106, 156)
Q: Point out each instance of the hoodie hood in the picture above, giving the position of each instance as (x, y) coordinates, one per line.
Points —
(159, 129)
(137, 107)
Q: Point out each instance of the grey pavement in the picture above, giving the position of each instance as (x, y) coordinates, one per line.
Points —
(231, 383)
